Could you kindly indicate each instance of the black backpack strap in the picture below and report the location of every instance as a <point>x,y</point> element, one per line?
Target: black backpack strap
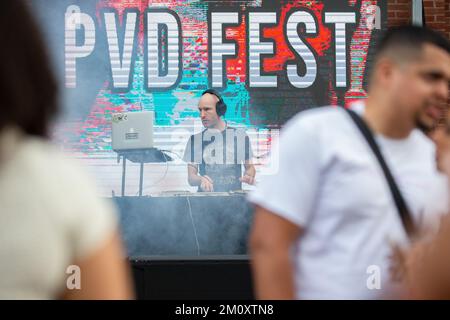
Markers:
<point>402,207</point>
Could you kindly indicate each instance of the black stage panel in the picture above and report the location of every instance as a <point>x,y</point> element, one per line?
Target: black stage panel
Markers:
<point>187,225</point>
<point>188,246</point>
<point>206,278</point>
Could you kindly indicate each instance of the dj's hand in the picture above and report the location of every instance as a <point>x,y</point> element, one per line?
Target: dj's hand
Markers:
<point>207,184</point>
<point>247,179</point>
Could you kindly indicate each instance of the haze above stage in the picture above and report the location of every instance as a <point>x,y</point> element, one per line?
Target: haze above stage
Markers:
<point>188,246</point>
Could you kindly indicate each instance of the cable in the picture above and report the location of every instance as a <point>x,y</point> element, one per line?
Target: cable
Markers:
<point>165,173</point>
<point>193,225</point>
<point>179,157</point>
<point>263,155</point>
<point>163,177</point>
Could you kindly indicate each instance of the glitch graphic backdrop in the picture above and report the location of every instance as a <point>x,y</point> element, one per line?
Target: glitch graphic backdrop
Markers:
<point>269,59</point>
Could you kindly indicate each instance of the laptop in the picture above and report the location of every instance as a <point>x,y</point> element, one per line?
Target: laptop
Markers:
<point>132,130</point>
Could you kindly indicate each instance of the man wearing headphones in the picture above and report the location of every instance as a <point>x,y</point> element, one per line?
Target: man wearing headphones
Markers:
<point>215,155</point>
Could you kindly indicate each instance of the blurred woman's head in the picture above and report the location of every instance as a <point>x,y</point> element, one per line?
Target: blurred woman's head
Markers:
<point>28,89</point>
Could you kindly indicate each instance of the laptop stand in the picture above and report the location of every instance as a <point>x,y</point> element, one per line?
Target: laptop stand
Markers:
<point>141,156</point>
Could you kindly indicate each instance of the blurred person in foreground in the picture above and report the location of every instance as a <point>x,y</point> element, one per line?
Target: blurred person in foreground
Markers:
<point>426,265</point>
<point>50,217</point>
<point>325,222</point>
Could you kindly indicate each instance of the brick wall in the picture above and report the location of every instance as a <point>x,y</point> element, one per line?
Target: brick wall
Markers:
<point>399,12</point>
<point>437,14</point>
<point>447,17</point>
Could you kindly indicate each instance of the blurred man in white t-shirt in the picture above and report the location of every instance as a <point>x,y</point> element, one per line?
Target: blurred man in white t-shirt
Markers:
<point>325,222</point>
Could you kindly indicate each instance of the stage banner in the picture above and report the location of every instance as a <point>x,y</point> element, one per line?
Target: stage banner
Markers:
<point>269,60</point>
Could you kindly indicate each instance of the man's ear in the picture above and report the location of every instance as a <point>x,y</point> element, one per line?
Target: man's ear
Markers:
<point>384,71</point>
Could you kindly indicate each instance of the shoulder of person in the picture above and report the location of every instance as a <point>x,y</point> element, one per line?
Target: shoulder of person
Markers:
<point>317,118</point>
<point>198,135</point>
<point>236,129</point>
<point>422,141</point>
<point>63,173</point>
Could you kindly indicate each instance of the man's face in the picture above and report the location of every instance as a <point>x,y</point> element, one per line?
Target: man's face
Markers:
<point>207,109</point>
<point>420,88</point>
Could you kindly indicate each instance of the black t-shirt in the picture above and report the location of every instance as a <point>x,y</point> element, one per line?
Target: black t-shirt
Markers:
<point>220,156</point>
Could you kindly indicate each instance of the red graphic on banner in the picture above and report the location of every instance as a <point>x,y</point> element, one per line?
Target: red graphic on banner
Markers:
<point>236,68</point>
<point>320,43</point>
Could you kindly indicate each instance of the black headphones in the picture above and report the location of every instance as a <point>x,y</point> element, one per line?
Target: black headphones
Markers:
<point>221,107</point>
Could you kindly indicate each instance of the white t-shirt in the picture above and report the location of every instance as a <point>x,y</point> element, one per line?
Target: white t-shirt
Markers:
<point>49,217</point>
<point>330,184</point>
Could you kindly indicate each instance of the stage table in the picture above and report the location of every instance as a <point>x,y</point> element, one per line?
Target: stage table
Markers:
<point>194,224</point>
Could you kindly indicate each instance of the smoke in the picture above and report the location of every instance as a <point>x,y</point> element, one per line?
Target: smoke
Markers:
<point>189,225</point>
<point>92,71</point>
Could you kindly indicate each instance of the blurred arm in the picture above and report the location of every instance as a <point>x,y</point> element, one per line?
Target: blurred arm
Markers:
<point>250,172</point>
<point>105,274</point>
<point>271,239</point>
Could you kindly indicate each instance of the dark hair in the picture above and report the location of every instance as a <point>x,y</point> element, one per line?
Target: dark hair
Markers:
<point>407,41</point>
<point>28,88</point>
<point>221,107</point>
